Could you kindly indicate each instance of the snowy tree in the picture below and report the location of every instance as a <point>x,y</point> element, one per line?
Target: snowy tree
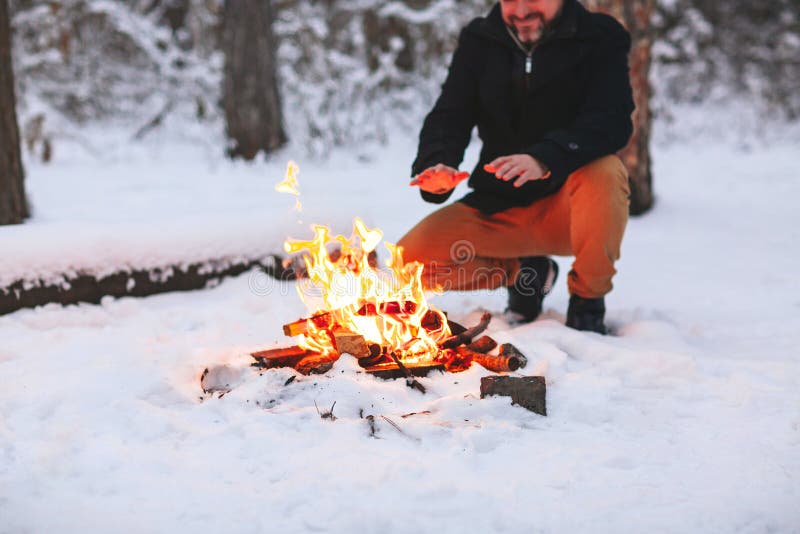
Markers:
<point>250,95</point>
<point>13,205</point>
<point>719,50</point>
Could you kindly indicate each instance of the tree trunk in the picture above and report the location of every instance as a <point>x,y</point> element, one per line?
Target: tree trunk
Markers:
<point>636,16</point>
<point>13,205</point>
<point>250,89</point>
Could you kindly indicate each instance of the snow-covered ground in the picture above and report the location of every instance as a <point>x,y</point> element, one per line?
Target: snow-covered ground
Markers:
<point>688,420</point>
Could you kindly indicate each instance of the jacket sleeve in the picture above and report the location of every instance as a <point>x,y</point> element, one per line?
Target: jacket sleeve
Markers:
<point>447,128</point>
<point>603,125</point>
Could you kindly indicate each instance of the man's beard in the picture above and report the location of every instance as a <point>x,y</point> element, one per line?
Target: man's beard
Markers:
<point>529,35</point>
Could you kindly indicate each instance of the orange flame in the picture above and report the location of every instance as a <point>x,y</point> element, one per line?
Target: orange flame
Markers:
<point>290,184</point>
<point>387,308</point>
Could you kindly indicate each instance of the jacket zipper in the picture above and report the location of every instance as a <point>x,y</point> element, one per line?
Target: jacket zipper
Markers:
<point>528,70</point>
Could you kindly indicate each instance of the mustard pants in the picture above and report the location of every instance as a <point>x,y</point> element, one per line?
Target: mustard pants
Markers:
<point>464,249</point>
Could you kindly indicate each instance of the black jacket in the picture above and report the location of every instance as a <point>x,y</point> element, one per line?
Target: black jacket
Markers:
<point>573,106</point>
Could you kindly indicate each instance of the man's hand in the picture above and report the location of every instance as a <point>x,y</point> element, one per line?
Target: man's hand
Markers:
<point>439,179</point>
<point>521,166</point>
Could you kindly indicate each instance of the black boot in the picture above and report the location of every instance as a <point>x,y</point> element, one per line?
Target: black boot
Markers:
<point>535,280</point>
<point>587,314</point>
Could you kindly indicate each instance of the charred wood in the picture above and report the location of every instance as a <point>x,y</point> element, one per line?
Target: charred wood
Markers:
<point>306,362</point>
<point>466,337</point>
<point>483,344</point>
<point>390,370</point>
<point>499,363</point>
<point>509,350</point>
<point>281,357</point>
<point>410,380</point>
<point>526,391</point>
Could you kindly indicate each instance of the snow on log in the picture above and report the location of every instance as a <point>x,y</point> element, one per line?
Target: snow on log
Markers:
<point>91,288</point>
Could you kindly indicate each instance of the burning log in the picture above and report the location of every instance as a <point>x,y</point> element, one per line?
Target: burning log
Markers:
<point>300,326</point>
<point>316,364</point>
<point>483,344</point>
<point>466,337</point>
<point>304,361</point>
<point>390,370</point>
<point>349,342</point>
<point>499,363</point>
<point>507,349</point>
<point>509,358</point>
<point>282,357</point>
<point>326,320</point>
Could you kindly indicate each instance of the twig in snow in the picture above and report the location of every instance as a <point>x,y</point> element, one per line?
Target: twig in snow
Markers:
<point>400,430</point>
<point>373,428</point>
<point>410,380</point>
<point>424,412</point>
<point>328,414</point>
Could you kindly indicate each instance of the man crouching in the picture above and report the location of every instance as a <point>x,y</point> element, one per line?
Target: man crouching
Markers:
<point>546,82</point>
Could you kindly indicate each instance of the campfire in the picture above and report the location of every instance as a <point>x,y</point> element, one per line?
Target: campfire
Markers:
<point>379,316</point>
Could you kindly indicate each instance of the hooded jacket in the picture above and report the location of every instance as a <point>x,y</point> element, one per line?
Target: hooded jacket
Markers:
<point>566,103</point>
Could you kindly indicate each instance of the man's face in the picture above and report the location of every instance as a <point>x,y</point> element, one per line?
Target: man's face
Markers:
<point>528,18</point>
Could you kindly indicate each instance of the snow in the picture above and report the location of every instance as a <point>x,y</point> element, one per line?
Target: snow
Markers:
<point>688,420</point>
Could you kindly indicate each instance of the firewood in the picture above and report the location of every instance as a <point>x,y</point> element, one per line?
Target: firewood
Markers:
<point>508,359</point>
<point>507,349</point>
<point>351,343</point>
<point>526,391</point>
<point>483,344</point>
<point>456,328</point>
<point>325,320</point>
<point>389,370</point>
<point>304,361</point>
<point>316,364</point>
<point>376,356</point>
<point>467,335</point>
<point>300,326</point>
<point>281,357</point>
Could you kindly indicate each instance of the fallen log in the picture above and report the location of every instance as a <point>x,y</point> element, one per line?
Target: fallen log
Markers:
<point>91,288</point>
